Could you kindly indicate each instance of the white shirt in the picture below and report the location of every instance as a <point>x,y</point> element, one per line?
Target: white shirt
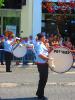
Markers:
<point>40,48</point>
<point>8,46</point>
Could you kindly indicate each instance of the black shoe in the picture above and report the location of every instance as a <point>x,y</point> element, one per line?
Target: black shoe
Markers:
<point>2,64</point>
<point>42,98</point>
<point>8,71</point>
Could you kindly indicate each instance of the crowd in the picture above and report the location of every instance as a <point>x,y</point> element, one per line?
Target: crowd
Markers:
<point>52,41</point>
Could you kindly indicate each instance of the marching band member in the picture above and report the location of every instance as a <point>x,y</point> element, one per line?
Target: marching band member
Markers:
<point>8,52</point>
<point>41,60</point>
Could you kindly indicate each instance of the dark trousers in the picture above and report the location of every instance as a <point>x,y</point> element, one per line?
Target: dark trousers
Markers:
<point>8,58</point>
<point>43,76</point>
<point>2,56</point>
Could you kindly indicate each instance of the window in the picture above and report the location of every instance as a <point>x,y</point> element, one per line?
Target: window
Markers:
<point>14,4</point>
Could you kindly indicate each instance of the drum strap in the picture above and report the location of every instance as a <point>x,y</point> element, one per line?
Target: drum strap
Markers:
<point>15,47</point>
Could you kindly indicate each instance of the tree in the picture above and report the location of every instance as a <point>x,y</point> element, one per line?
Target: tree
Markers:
<point>1,3</point>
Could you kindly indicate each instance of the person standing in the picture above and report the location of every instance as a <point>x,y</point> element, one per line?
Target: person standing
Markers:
<point>41,53</point>
<point>8,52</point>
<point>2,50</point>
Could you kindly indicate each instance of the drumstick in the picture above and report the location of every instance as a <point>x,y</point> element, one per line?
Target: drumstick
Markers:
<point>52,63</point>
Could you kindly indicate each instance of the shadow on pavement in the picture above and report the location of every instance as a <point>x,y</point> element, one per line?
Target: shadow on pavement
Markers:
<point>31,98</point>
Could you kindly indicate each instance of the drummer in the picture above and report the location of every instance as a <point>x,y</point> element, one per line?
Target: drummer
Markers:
<point>8,52</point>
<point>42,65</point>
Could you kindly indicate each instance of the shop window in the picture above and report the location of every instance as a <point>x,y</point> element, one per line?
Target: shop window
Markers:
<point>12,22</point>
<point>14,4</point>
<point>0,25</point>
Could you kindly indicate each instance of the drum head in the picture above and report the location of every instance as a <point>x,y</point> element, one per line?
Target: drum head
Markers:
<point>19,51</point>
<point>61,59</point>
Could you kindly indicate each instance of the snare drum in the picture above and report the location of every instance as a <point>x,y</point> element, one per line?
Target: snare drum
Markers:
<point>60,59</point>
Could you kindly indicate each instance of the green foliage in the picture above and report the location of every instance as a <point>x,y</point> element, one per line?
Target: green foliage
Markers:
<point>1,3</point>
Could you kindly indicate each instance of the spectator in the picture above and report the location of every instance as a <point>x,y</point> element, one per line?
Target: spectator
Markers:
<point>1,49</point>
<point>68,43</point>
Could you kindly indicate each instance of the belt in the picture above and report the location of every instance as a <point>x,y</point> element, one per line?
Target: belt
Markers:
<point>41,63</point>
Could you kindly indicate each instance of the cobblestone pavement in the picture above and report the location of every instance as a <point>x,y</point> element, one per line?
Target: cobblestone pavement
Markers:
<point>21,84</point>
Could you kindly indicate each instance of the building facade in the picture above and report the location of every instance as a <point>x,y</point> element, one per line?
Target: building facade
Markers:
<point>28,17</point>
<point>24,19</point>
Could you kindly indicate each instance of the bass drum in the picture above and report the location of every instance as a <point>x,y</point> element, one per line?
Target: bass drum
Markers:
<point>60,59</point>
<point>19,50</point>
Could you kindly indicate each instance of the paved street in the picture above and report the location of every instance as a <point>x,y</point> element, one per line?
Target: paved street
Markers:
<point>21,84</point>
